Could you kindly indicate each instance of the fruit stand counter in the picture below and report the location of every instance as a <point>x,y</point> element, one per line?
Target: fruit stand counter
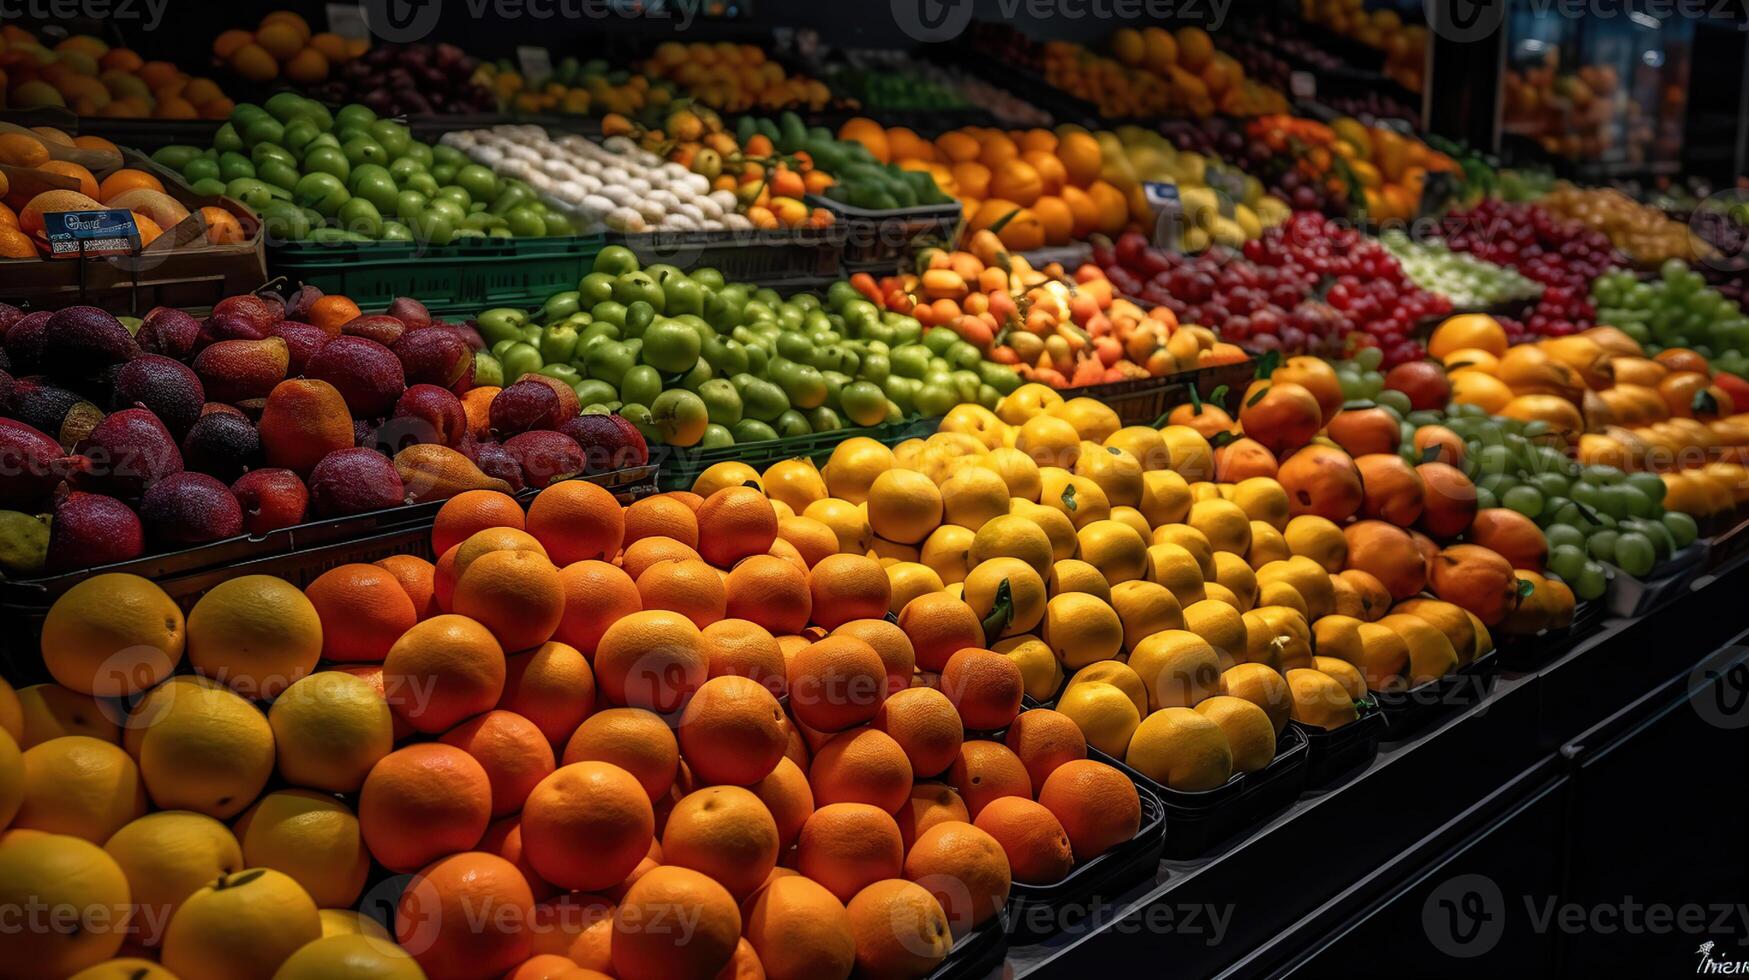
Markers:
<point>1339,877</point>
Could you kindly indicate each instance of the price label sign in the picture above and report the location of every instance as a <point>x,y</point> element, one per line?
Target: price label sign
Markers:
<point>348,21</point>
<point>72,234</point>
<point>536,63</point>
<point>1302,85</point>
<point>1168,212</point>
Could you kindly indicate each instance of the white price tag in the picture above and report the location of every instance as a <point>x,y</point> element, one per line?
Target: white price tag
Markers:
<point>348,21</point>
<point>536,63</point>
<point>1303,85</point>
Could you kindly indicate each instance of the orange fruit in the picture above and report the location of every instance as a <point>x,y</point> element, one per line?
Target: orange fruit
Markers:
<point>113,635</point>
<point>514,753</point>
<point>552,686</point>
<point>788,797</point>
<point>1056,217</point>
<point>1081,158</point>
<point>648,551</point>
<point>641,951</point>
<point>79,786</point>
<point>15,244</point>
<point>22,150</point>
<point>938,626</point>
<point>900,930</point>
<point>836,683</point>
<point>1043,740</point>
<point>475,545</point>
<point>311,837</point>
<point>984,686</point>
<point>847,587</point>
<point>633,739</point>
<point>597,595</point>
<point>661,516</point>
<point>436,918</point>
<point>861,766</point>
<point>964,868</point>
<point>469,511</point>
<point>725,832</point>
<point>587,825</point>
<point>504,838</point>
<point>652,659</point>
<point>254,62</point>
<point>1096,804</point>
<point>739,648</point>
<point>364,611</point>
<point>688,587</point>
<point>127,179</point>
<point>771,592</point>
<point>985,771</point>
<point>441,671</point>
<point>891,643</point>
<point>577,521</point>
<point>925,725</point>
<point>515,594</point>
<point>60,872</point>
<point>67,168</point>
<point>848,846</point>
<point>812,538</point>
<point>799,929</point>
<point>330,313</point>
<point>422,802</point>
<point>930,804</point>
<point>733,523</point>
<point>417,578</point>
<point>732,731</point>
<point>1037,847</point>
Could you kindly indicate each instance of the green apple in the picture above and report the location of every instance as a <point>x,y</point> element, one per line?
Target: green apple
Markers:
<point>680,417</point>
<point>250,191</point>
<point>361,216</point>
<point>640,384</point>
<point>322,191</point>
<point>670,345</point>
<point>615,260</point>
<point>722,400</point>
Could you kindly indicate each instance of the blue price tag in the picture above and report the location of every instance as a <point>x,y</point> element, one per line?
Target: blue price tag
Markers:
<point>75,233</point>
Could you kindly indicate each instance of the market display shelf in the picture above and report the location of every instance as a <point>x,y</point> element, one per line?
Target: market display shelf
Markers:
<point>1436,788</point>
<point>876,242</point>
<point>456,279</point>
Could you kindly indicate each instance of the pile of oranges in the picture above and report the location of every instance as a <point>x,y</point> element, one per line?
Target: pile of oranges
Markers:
<point>84,74</point>
<point>283,44</point>
<point>1056,330</point>
<point>734,77</point>
<point>580,717</point>
<point>141,193</point>
<point>1201,79</point>
<point>1051,178</point>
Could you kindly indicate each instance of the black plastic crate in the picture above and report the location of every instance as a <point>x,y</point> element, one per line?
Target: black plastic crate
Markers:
<point>877,241</point>
<point>1407,711</point>
<point>1527,653</point>
<point>1196,822</point>
<point>978,953</point>
<point>1031,906</point>
<point>1332,755</point>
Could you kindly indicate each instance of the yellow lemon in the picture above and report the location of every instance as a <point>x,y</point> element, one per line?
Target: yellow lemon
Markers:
<point>1115,471</point>
<point>1384,657</point>
<point>1050,441</point>
<point>79,786</point>
<point>1104,714</point>
<point>1178,668</point>
<point>1027,401</point>
<point>348,956</point>
<point>1345,673</point>
<point>974,496</point>
<point>891,552</point>
<point>1075,575</point>
<point>853,466</point>
<point>1165,497</point>
<point>168,856</point>
<point>1319,700</point>
<point>1082,629</point>
<point>51,711</point>
<point>903,506</point>
<point>976,421</point>
<point>847,521</point>
<point>56,871</point>
<point>1225,525</point>
<point>1319,539</point>
<point>1192,457</point>
<point>1250,735</point>
<point>113,635</point>
<point>242,925</point>
<point>1218,623</point>
<point>1145,608</point>
<point>203,749</point>
<point>1026,593</point>
<point>1191,540</point>
<point>1056,524</point>
<point>947,551</point>
<point>329,729</point>
<point>910,579</point>
<point>1232,572</point>
<point>1263,687</point>
<point>1174,567</point>
<point>1181,749</point>
<point>1431,655</point>
<point>721,476</point>
<point>1094,420</point>
<point>1009,536</point>
<point>1040,672</point>
<point>796,482</point>
<point>1262,499</point>
<point>1267,546</point>
<point>1133,519</point>
<point>1276,593</point>
<point>1143,443</point>
<point>1115,549</point>
<point>1017,470</point>
<point>124,968</point>
<point>312,837</point>
<point>1080,499</point>
<point>255,633</point>
<point>350,922</point>
<point>1450,619</point>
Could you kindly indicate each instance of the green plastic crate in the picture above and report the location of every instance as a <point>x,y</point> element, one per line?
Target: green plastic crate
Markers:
<point>680,467</point>
<point>460,278</point>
